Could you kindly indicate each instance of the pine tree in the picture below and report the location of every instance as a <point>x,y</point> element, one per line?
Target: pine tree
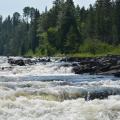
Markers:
<point>68,21</point>
<point>90,23</point>
<point>104,20</point>
<point>117,12</point>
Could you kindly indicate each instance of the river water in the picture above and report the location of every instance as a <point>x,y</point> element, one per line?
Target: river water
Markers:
<point>48,91</point>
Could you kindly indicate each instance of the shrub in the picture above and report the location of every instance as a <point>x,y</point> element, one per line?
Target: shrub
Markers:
<point>94,46</point>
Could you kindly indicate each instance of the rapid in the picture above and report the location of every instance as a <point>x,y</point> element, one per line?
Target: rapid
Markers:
<point>51,91</point>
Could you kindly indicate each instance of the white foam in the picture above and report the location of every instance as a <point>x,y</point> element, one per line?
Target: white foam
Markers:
<point>37,100</point>
<point>42,69</point>
<point>21,100</point>
<point>35,109</point>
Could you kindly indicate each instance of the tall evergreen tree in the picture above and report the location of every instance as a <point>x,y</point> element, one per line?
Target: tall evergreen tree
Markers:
<point>68,21</point>
<point>90,23</point>
<point>117,17</point>
<point>104,20</point>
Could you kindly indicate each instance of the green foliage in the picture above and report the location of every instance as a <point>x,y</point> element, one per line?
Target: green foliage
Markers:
<point>64,29</point>
<point>52,36</point>
<point>29,53</point>
<point>45,47</point>
<point>67,27</point>
<point>116,50</point>
<point>72,40</point>
<point>94,46</point>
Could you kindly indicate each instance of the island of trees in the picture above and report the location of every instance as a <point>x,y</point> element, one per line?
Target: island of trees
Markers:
<point>63,29</point>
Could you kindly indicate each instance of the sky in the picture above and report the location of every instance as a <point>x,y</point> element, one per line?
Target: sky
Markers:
<point>8,7</point>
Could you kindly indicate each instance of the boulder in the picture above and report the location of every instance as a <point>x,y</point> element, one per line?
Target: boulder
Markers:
<point>19,62</point>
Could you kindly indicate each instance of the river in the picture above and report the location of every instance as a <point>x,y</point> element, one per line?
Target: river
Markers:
<point>48,91</point>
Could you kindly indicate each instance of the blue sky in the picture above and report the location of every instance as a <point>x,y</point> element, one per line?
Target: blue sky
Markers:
<point>10,6</point>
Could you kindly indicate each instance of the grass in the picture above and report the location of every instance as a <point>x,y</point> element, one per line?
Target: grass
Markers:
<point>82,55</point>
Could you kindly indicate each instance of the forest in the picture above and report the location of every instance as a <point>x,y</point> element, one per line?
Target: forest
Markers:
<point>63,29</point>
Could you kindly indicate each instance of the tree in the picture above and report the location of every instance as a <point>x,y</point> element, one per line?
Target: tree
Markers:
<point>52,36</point>
<point>90,25</point>
<point>33,31</point>
<point>1,40</point>
<point>62,29</point>
<point>26,13</point>
<point>117,19</point>
<point>16,19</point>
<point>104,20</point>
<point>68,21</point>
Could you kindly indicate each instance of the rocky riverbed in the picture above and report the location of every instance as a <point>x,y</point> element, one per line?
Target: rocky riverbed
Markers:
<point>107,65</point>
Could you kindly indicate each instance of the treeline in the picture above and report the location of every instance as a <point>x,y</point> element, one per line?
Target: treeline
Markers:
<point>63,29</point>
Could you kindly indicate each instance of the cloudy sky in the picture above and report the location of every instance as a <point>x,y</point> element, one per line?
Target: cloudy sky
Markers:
<point>10,6</point>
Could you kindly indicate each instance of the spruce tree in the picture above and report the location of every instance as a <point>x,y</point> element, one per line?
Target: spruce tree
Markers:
<point>68,21</point>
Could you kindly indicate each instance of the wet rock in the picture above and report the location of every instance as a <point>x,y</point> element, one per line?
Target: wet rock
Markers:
<point>117,74</point>
<point>44,59</point>
<point>19,62</point>
<point>104,68</point>
<point>101,65</point>
<point>84,69</point>
<point>109,64</point>
<point>96,95</point>
<point>101,93</point>
<point>5,68</point>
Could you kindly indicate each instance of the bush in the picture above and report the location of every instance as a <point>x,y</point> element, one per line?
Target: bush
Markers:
<point>116,50</point>
<point>94,46</point>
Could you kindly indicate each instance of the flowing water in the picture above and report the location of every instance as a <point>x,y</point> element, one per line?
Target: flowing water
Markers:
<point>49,91</point>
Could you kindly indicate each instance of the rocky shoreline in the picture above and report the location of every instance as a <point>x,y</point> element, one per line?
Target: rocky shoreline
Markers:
<point>106,65</point>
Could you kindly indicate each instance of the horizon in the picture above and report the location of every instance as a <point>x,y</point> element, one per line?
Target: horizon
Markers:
<point>17,6</point>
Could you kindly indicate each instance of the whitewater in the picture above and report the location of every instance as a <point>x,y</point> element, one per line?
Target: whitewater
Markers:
<point>50,91</point>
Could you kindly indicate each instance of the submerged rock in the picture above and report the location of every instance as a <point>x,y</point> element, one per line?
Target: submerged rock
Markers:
<point>117,74</point>
<point>101,93</point>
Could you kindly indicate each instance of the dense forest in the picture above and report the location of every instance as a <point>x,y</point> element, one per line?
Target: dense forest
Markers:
<point>64,29</point>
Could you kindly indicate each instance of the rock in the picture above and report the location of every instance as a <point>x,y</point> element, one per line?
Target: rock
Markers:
<point>101,65</point>
<point>104,68</point>
<point>101,93</point>
<point>96,95</point>
<point>73,59</point>
<point>77,70</point>
<point>117,74</point>
<point>109,64</point>
<point>83,69</point>
<point>19,62</point>
<point>44,59</point>
<point>6,68</point>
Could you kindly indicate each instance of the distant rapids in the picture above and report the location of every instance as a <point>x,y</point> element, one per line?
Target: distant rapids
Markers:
<point>51,91</point>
